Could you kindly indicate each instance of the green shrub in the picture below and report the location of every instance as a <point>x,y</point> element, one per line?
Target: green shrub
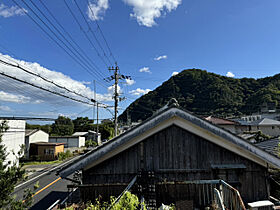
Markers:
<point>64,155</point>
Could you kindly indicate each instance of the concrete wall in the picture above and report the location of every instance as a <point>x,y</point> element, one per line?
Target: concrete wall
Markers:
<point>13,138</point>
<point>268,130</point>
<point>39,136</point>
<point>76,141</point>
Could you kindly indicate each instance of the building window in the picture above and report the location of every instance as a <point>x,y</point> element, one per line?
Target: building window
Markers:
<point>46,151</point>
<point>51,151</point>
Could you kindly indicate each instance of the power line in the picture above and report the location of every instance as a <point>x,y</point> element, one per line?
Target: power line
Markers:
<point>81,28</point>
<point>47,80</point>
<point>43,78</point>
<point>77,60</point>
<point>46,25</point>
<point>47,90</point>
<point>98,27</point>
<point>83,55</point>
<point>90,29</point>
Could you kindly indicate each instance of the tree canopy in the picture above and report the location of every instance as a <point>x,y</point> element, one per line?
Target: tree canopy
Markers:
<point>205,93</point>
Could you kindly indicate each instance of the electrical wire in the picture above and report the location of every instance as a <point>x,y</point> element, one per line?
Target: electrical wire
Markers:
<point>90,30</point>
<point>47,90</point>
<point>43,78</point>
<point>81,28</point>
<point>98,27</point>
<point>65,31</point>
<point>82,54</point>
<point>57,43</point>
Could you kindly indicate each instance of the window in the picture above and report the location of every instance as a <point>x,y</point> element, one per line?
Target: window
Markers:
<point>46,151</point>
<point>51,151</point>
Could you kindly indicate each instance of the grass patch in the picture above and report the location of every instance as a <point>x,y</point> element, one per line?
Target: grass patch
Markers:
<point>42,162</point>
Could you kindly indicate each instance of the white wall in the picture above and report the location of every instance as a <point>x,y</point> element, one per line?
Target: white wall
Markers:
<point>14,138</point>
<point>76,141</point>
<point>38,136</point>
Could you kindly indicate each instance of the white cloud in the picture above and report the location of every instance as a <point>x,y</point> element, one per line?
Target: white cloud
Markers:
<point>160,57</point>
<point>129,82</point>
<point>230,74</point>
<point>5,109</point>
<point>6,11</point>
<point>139,91</point>
<point>145,11</point>
<point>8,97</point>
<point>16,92</point>
<point>145,69</point>
<point>111,89</point>
<point>86,83</point>
<point>175,73</point>
<point>95,11</point>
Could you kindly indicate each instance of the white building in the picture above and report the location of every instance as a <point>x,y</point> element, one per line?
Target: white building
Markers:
<point>13,138</point>
<point>33,136</point>
<point>90,135</point>
<point>70,141</point>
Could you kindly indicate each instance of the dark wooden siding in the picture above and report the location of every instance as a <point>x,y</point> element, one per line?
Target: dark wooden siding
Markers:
<point>175,154</point>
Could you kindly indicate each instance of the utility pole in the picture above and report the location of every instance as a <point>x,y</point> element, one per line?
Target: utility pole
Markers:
<point>116,95</point>
<point>116,77</point>
<point>97,128</point>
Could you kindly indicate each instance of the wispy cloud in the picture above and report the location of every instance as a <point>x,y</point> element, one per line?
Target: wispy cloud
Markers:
<point>160,57</point>
<point>230,74</point>
<point>6,11</point>
<point>20,99</point>
<point>5,109</point>
<point>139,91</point>
<point>129,82</point>
<point>86,83</point>
<point>146,11</point>
<point>29,94</point>
<point>145,69</point>
<point>174,73</point>
<point>96,11</point>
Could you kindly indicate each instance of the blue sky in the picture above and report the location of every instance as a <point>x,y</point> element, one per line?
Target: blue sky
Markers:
<point>158,37</point>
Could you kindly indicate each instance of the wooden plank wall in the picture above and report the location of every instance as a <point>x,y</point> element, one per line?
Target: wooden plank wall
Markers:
<point>175,154</point>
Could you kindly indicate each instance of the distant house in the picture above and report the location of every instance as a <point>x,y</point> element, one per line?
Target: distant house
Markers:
<point>13,138</point>
<point>250,123</point>
<point>45,150</point>
<point>229,125</point>
<point>90,135</point>
<point>33,136</point>
<point>175,157</point>
<point>267,126</point>
<point>69,141</point>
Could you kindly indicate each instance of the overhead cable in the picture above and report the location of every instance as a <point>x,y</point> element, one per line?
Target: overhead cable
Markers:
<point>57,43</point>
<point>90,29</point>
<point>81,28</point>
<point>99,28</point>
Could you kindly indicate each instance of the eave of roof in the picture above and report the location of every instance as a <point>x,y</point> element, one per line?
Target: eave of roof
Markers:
<point>171,116</point>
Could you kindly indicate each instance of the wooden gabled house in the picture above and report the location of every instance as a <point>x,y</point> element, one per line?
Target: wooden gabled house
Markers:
<point>178,155</point>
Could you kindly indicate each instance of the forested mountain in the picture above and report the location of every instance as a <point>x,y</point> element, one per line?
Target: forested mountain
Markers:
<point>205,93</point>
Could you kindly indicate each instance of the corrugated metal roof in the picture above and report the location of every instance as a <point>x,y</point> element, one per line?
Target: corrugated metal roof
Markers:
<point>265,121</point>
<point>79,133</point>
<point>270,146</point>
<point>29,132</point>
<point>220,121</point>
